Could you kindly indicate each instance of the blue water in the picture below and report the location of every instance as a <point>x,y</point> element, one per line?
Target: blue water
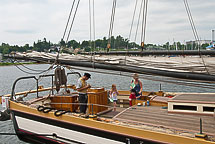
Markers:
<point>8,74</point>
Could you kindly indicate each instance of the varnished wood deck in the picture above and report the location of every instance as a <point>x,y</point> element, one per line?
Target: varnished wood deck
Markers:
<point>194,98</point>
<point>156,116</point>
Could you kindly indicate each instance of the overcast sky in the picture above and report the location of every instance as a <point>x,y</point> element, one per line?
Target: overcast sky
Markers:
<point>26,21</point>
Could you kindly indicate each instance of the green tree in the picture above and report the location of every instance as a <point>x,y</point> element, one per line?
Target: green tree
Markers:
<point>98,43</point>
<point>203,46</point>
<point>5,48</point>
<point>74,44</point>
<point>62,43</point>
<point>85,44</point>
<point>104,43</point>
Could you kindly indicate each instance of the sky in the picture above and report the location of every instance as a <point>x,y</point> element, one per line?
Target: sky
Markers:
<point>25,21</point>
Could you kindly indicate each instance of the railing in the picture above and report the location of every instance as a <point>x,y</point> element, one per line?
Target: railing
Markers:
<point>37,82</point>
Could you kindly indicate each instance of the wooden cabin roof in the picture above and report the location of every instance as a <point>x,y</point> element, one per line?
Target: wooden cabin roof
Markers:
<point>194,98</point>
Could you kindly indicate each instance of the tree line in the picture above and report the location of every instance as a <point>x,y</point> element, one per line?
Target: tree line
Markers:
<point>117,43</point>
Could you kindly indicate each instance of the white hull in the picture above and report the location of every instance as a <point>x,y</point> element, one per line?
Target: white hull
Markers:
<point>42,128</point>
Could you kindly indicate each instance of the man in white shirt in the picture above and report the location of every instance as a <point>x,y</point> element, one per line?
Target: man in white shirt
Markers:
<point>82,87</point>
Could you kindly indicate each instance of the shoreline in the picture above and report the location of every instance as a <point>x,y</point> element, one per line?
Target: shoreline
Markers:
<point>10,64</point>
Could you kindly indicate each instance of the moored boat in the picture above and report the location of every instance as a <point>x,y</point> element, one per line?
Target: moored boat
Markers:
<point>158,117</point>
<point>53,118</point>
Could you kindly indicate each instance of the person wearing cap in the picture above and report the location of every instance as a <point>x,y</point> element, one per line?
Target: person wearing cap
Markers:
<point>136,84</point>
<point>82,87</point>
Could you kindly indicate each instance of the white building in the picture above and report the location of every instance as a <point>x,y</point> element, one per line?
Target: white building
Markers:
<point>201,42</point>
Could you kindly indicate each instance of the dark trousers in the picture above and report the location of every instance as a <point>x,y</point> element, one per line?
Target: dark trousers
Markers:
<point>83,102</point>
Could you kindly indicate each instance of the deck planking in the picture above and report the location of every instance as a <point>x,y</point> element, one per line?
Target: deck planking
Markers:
<point>157,116</point>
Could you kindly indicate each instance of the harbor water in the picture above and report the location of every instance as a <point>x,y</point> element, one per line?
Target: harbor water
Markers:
<point>8,74</point>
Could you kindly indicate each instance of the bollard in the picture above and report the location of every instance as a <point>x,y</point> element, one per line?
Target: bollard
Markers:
<point>92,109</point>
<point>200,125</point>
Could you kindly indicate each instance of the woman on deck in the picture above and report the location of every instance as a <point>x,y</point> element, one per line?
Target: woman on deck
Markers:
<point>136,84</point>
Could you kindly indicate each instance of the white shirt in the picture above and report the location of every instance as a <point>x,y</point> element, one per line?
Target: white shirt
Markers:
<point>114,96</point>
<point>79,85</point>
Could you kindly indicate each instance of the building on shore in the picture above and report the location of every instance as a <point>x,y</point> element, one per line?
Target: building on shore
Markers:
<point>197,42</point>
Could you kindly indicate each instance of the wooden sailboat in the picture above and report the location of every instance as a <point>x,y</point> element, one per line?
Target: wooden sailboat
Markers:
<point>53,119</point>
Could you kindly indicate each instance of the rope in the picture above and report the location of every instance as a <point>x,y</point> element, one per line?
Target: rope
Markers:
<point>111,24</point>
<point>28,67</point>
<point>68,19</point>
<point>41,71</point>
<point>94,30</point>
<point>60,78</point>
<point>138,22</point>
<point>90,27</point>
<point>31,72</point>
<point>60,112</point>
<point>144,35</point>
<point>195,33</point>
<point>191,20</point>
<point>56,61</point>
<point>132,23</point>
<point>65,30</point>
<point>144,23</point>
<point>73,21</point>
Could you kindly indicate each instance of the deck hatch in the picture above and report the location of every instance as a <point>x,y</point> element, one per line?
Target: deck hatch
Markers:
<point>184,107</point>
<point>208,109</point>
